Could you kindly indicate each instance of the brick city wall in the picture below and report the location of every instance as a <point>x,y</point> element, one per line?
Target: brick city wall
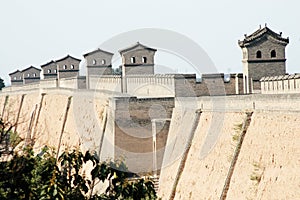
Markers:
<point>133,130</point>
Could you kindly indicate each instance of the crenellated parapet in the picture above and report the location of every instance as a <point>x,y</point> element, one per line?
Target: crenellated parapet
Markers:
<point>280,84</point>
<point>264,71</point>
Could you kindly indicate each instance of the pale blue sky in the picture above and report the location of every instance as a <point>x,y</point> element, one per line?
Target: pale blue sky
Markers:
<point>34,32</point>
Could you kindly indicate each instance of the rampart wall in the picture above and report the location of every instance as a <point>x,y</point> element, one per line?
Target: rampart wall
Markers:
<point>152,85</point>
<point>158,85</point>
<point>281,84</point>
<point>105,82</point>
<point>134,120</point>
<point>268,161</point>
<point>71,83</point>
<point>266,167</point>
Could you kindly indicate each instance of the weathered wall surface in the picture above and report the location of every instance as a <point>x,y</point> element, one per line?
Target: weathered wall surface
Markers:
<point>133,131</point>
<point>209,170</point>
<point>205,170</point>
<point>267,166</point>
<point>45,118</point>
<point>268,163</point>
<point>112,83</point>
<point>180,128</point>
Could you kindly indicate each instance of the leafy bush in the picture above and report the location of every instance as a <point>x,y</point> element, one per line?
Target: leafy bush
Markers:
<point>29,176</point>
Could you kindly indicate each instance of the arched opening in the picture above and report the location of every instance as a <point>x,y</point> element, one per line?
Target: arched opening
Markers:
<point>65,66</point>
<point>72,67</point>
<point>49,71</point>
<point>273,54</point>
<point>103,62</point>
<point>132,59</point>
<point>258,54</point>
<point>94,62</point>
<point>144,59</point>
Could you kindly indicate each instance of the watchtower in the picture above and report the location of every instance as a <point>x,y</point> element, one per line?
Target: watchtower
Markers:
<point>98,62</point>
<point>137,59</point>
<point>263,55</point>
<point>31,75</point>
<point>16,78</point>
<point>49,70</point>
<point>68,67</point>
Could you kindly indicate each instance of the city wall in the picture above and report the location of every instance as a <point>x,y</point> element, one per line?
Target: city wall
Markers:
<point>268,159</point>
<point>267,162</point>
<point>157,85</point>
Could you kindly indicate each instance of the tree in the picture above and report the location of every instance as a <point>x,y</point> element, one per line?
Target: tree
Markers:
<point>2,85</point>
<point>42,176</point>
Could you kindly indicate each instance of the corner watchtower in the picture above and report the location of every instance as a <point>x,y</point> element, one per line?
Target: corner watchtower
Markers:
<point>263,55</point>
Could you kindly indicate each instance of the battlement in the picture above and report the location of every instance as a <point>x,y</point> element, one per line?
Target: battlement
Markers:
<point>280,84</point>
<point>71,83</point>
<point>263,60</point>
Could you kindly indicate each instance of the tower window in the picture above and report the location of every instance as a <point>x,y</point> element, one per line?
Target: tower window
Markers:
<point>103,62</point>
<point>144,59</point>
<point>15,78</point>
<point>258,54</point>
<point>34,74</point>
<point>94,62</point>
<point>273,54</point>
<point>49,71</point>
<point>65,66</point>
<point>28,75</point>
<point>132,59</point>
<point>72,66</point>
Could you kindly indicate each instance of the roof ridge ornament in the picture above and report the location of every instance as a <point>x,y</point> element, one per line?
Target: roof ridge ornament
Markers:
<point>259,34</point>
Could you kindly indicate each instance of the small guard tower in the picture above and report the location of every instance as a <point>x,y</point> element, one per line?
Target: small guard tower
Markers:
<point>136,60</point>
<point>263,55</point>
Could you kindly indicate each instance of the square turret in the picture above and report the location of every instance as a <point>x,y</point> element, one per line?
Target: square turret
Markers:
<point>263,55</point>
<point>49,70</point>
<point>68,67</point>
<point>31,75</point>
<point>137,59</point>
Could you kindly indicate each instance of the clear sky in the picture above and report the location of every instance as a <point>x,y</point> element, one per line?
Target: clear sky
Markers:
<point>34,32</point>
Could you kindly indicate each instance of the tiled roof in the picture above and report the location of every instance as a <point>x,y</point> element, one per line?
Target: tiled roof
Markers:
<point>135,46</point>
<point>48,63</point>
<point>260,33</point>
<point>97,50</point>
<point>17,71</point>
<point>67,56</point>
<point>30,68</point>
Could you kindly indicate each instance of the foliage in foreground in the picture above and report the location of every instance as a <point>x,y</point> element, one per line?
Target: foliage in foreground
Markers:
<point>29,176</point>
